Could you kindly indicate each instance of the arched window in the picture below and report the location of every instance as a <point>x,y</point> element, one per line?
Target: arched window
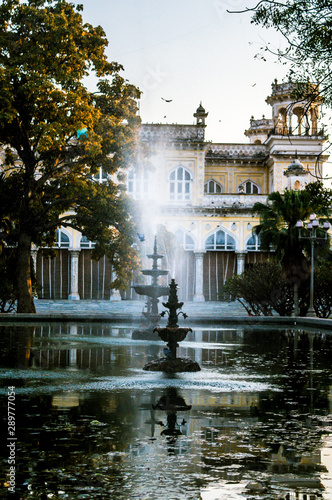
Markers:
<point>62,239</point>
<point>101,176</point>
<point>212,187</point>
<point>85,243</point>
<point>254,243</point>
<point>248,187</point>
<point>180,181</point>
<point>183,239</point>
<point>138,184</point>
<point>220,241</point>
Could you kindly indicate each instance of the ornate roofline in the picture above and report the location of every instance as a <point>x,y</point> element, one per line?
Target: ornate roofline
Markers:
<point>164,133</point>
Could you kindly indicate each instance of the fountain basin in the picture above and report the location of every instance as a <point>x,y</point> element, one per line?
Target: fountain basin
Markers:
<point>176,365</point>
<point>152,291</point>
<point>171,363</point>
<point>172,334</point>
<point>155,273</point>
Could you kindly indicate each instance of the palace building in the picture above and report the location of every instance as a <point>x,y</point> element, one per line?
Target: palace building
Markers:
<point>199,196</point>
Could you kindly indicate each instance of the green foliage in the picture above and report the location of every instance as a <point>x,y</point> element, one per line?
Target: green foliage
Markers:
<point>264,288</point>
<point>306,26</point>
<point>323,290</point>
<point>8,293</point>
<point>261,289</point>
<point>277,229</point>
<point>45,52</point>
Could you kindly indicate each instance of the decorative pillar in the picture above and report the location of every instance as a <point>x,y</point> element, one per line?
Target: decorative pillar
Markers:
<point>199,296</point>
<point>34,253</point>
<point>241,259</point>
<point>74,254</point>
<point>314,120</point>
<point>115,294</point>
<point>290,130</point>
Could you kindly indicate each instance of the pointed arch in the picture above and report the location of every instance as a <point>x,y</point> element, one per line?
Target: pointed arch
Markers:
<point>211,186</point>
<point>85,243</point>
<point>220,240</point>
<point>138,184</point>
<point>184,239</point>
<point>253,243</point>
<point>249,187</point>
<point>63,238</point>
<point>180,184</point>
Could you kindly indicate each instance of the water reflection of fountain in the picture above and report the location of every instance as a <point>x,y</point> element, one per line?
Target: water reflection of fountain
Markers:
<point>153,292</point>
<point>172,403</point>
<point>172,334</point>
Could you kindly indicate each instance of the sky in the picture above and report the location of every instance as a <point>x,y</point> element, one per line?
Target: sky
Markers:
<point>191,52</point>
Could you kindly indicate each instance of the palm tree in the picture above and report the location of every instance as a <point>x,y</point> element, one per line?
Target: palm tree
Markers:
<point>277,229</point>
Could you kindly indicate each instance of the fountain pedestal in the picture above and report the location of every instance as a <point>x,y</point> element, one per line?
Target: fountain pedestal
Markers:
<point>172,334</point>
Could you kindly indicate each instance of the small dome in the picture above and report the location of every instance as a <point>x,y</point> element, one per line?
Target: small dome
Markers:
<point>295,168</point>
<point>200,109</point>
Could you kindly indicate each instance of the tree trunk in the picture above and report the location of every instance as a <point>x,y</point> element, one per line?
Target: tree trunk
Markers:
<point>25,302</point>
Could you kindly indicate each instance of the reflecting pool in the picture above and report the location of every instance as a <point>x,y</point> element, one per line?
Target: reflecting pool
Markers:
<point>82,420</point>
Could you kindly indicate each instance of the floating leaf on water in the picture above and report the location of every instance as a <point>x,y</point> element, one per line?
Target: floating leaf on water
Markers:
<point>97,423</point>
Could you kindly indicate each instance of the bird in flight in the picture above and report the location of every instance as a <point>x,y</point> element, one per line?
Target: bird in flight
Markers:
<point>167,100</point>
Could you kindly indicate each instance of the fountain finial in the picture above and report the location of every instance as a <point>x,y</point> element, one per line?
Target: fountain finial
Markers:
<point>173,305</point>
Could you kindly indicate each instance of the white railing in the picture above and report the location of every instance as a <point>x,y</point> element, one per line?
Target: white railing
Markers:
<point>252,150</point>
<point>233,200</point>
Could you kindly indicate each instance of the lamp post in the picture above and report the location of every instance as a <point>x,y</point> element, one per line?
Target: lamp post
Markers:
<point>312,226</point>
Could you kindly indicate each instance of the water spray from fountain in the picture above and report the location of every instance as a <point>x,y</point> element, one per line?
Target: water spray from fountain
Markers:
<point>153,292</point>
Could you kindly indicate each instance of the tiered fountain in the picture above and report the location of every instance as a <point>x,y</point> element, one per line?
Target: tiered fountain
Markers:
<point>172,334</point>
<point>152,291</point>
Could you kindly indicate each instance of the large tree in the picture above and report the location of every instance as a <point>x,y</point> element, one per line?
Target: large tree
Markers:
<point>56,135</point>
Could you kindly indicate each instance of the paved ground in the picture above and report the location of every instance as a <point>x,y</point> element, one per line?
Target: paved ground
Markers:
<point>215,313</point>
<point>134,308</point>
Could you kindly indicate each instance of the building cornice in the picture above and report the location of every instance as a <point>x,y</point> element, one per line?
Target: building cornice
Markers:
<point>179,136</point>
<point>221,205</point>
<point>236,154</point>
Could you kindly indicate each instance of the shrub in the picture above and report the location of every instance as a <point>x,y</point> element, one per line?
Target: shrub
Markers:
<point>8,295</point>
<point>262,289</point>
<point>323,290</point>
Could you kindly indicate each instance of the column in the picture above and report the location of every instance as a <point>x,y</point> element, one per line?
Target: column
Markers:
<point>290,130</point>
<point>115,294</point>
<point>314,119</point>
<point>241,259</point>
<point>199,296</point>
<point>74,254</point>
<point>34,253</point>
